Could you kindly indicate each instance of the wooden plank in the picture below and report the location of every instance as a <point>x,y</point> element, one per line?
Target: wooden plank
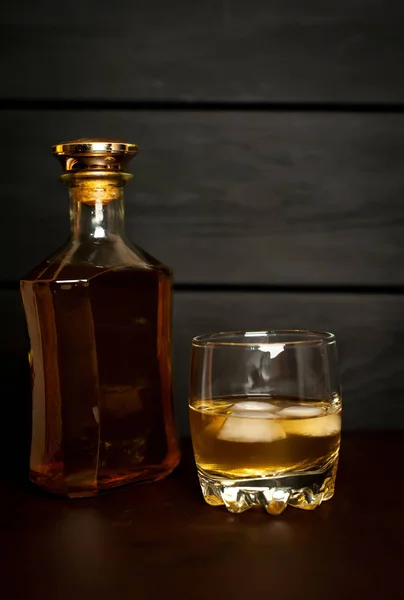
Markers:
<point>369,329</point>
<point>224,197</point>
<point>278,51</point>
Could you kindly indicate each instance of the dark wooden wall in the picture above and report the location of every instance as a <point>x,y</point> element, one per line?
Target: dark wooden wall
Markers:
<point>270,173</point>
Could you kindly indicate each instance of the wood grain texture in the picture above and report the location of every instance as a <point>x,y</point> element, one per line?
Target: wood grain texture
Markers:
<point>278,51</point>
<point>224,197</point>
<point>162,540</point>
<point>369,329</point>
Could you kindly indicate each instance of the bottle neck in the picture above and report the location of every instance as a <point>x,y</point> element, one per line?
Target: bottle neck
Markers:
<point>98,220</point>
<point>96,201</point>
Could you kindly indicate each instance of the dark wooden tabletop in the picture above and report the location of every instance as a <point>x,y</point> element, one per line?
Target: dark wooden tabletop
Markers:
<point>162,540</point>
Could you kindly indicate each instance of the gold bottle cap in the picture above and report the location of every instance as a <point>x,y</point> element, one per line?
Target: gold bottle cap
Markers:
<point>94,154</point>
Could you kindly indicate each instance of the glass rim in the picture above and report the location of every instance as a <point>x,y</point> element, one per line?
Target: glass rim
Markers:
<point>224,338</point>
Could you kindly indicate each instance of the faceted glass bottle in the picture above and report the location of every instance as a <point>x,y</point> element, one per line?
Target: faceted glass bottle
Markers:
<point>99,321</point>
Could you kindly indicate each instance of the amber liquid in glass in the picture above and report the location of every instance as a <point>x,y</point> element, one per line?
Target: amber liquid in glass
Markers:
<point>248,437</point>
<point>101,376</point>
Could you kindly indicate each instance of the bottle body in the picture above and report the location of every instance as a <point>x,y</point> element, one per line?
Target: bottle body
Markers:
<point>99,320</point>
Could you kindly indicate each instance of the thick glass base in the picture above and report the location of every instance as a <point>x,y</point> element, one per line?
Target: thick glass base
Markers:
<point>302,490</point>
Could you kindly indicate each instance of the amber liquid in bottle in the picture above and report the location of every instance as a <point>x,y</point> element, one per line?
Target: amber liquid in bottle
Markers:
<point>99,319</point>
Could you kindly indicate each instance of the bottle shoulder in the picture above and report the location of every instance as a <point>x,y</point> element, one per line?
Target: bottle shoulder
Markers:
<point>149,260</point>
<point>48,267</point>
<point>88,259</point>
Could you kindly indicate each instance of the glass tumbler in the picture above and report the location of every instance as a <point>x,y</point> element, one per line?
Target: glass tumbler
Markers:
<point>265,417</point>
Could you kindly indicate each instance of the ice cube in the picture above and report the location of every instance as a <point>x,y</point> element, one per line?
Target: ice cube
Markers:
<point>314,427</point>
<point>253,405</point>
<point>302,411</point>
<point>256,414</point>
<point>243,429</point>
<point>255,410</point>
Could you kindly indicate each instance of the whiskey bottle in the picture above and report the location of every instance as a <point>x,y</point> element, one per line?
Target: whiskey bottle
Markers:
<point>99,319</point>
